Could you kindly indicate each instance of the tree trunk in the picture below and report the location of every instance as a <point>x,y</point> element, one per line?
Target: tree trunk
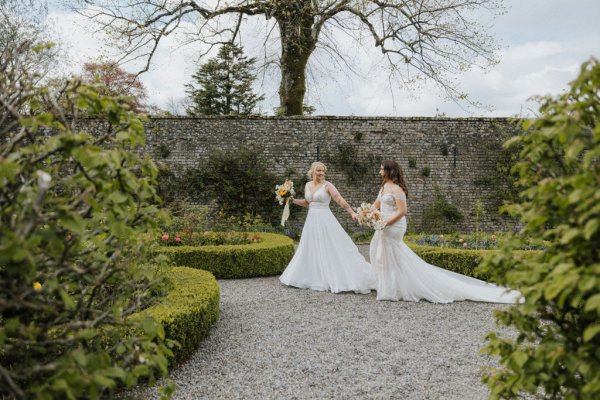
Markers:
<point>297,44</point>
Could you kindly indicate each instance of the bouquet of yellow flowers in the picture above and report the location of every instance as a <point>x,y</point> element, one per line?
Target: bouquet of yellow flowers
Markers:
<point>370,217</point>
<point>283,194</point>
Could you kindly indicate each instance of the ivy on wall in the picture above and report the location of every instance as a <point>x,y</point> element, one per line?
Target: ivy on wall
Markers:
<point>441,216</point>
<point>502,185</point>
<point>353,164</point>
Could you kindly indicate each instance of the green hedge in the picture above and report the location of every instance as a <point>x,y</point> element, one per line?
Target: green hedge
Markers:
<point>189,309</point>
<point>460,260</point>
<point>269,257</point>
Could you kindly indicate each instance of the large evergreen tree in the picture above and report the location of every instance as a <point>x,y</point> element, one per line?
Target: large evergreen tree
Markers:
<point>223,85</point>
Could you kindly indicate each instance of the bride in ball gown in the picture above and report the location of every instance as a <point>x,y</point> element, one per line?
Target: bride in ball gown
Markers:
<point>402,274</point>
<point>326,257</point>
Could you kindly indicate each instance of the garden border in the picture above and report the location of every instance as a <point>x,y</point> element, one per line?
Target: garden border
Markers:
<point>266,258</point>
<point>189,309</point>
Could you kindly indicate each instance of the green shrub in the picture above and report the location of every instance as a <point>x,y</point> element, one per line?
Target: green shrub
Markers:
<point>555,353</point>
<point>238,181</point>
<point>441,216</point>
<point>73,210</point>
<point>269,257</point>
<point>362,236</point>
<point>189,310</point>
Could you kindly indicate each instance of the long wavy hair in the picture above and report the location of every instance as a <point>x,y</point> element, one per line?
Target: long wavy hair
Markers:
<point>393,171</point>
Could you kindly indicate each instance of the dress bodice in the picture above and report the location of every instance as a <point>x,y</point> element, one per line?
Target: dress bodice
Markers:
<point>318,198</point>
<point>388,201</point>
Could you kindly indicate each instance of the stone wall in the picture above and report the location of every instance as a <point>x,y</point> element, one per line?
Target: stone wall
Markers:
<point>460,154</point>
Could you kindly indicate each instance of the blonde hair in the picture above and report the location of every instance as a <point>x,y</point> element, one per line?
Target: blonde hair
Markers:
<point>313,167</point>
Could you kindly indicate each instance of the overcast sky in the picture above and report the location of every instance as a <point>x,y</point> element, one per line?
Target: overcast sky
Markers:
<point>543,44</point>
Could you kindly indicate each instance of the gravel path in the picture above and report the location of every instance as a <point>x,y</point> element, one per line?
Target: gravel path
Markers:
<point>277,342</point>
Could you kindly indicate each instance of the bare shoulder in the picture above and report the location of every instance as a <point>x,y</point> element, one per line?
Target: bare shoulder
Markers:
<point>398,190</point>
<point>330,188</point>
<point>391,187</point>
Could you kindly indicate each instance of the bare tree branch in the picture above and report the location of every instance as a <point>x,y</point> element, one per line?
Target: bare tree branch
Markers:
<point>429,39</point>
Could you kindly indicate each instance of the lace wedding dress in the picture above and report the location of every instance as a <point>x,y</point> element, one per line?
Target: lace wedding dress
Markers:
<point>326,257</point>
<point>403,275</point>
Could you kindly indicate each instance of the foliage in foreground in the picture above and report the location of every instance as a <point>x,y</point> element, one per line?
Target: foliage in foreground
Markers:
<point>556,352</point>
<point>72,210</point>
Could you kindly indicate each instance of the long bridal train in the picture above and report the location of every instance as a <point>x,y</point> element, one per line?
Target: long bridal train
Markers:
<point>403,275</point>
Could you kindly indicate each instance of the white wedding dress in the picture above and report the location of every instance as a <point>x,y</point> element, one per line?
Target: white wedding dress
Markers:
<point>326,257</point>
<point>403,275</point>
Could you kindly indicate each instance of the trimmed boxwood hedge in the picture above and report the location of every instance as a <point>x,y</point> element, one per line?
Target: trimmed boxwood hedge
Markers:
<point>269,257</point>
<point>189,309</point>
<point>463,261</point>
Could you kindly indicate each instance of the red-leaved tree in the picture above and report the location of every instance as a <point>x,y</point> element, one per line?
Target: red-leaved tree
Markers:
<point>114,81</point>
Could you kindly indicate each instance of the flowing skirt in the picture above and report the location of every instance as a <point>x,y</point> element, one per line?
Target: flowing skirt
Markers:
<point>327,258</point>
<point>403,275</point>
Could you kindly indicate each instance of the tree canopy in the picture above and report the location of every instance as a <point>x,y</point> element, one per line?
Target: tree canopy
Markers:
<point>114,81</point>
<point>420,39</point>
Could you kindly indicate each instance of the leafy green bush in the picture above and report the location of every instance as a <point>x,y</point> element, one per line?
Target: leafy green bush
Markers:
<point>189,310</point>
<point>556,351</point>
<point>441,216</point>
<point>239,182</point>
<point>363,236</point>
<point>73,210</point>
<point>269,257</point>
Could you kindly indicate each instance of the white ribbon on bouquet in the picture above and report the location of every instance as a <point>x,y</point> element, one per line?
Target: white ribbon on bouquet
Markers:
<point>286,212</point>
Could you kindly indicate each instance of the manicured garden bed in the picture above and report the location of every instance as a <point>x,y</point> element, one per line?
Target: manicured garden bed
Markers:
<point>189,309</point>
<point>267,257</point>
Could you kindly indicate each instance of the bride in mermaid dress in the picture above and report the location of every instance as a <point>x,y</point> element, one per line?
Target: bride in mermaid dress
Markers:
<point>326,257</point>
<point>402,274</point>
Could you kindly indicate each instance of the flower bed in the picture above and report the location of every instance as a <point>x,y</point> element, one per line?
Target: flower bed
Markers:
<point>482,241</point>
<point>267,257</point>
<point>189,309</point>
<point>208,238</point>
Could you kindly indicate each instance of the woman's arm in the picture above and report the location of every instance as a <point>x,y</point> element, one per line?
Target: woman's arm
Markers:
<point>300,202</point>
<point>377,204</point>
<point>335,195</point>
<point>400,199</point>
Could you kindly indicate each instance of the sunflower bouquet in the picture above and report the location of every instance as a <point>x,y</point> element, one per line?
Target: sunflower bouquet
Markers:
<point>283,194</point>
